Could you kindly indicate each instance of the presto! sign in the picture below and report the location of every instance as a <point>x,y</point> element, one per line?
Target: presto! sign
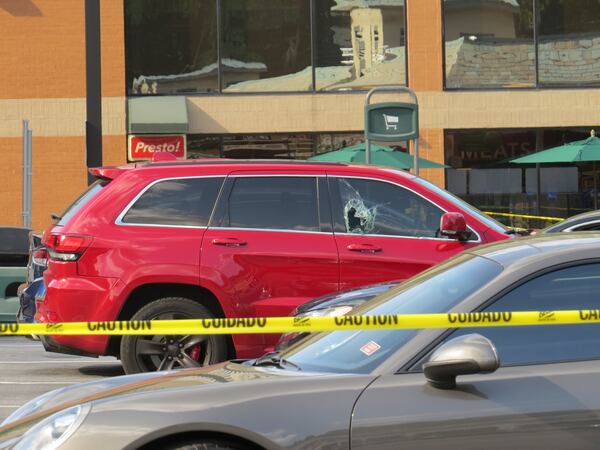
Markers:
<point>142,147</point>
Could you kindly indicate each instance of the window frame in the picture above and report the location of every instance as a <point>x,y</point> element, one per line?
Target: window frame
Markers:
<point>415,363</point>
<point>339,227</point>
<point>123,213</point>
<point>537,85</point>
<point>313,58</point>
<point>221,210</point>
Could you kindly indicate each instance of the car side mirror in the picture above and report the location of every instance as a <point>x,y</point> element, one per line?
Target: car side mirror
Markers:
<point>454,225</point>
<point>464,355</point>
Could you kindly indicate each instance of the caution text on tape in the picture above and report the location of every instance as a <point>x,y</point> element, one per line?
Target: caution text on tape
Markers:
<point>276,325</point>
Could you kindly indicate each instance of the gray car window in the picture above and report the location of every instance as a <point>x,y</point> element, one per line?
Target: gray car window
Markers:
<point>433,291</point>
<point>374,207</point>
<point>181,202</point>
<point>275,203</point>
<point>571,288</point>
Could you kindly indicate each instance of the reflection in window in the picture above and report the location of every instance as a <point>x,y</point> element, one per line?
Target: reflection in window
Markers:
<point>181,202</point>
<point>482,175</point>
<point>327,142</point>
<point>266,45</point>
<point>203,146</point>
<point>489,43</point>
<point>171,46</point>
<point>569,45</point>
<point>270,146</point>
<point>279,203</point>
<point>360,44</point>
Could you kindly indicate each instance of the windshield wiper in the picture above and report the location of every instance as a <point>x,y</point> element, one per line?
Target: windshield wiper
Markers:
<point>271,359</point>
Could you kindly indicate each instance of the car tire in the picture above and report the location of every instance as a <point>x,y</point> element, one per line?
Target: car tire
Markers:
<point>204,445</point>
<point>158,352</point>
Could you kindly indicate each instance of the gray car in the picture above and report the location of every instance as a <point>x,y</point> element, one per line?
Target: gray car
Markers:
<point>377,389</point>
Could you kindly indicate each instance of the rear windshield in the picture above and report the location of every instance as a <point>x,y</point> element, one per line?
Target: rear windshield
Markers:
<point>81,201</point>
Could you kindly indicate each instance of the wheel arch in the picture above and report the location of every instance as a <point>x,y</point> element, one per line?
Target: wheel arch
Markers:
<point>187,436</point>
<point>149,292</point>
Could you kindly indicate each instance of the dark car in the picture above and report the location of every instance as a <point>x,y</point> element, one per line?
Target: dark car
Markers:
<point>588,221</point>
<point>34,289</point>
<point>225,238</point>
<point>336,304</point>
<point>13,262</point>
<point>527,387</point>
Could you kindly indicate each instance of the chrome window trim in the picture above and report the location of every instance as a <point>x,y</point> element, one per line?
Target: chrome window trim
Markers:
<point>281,175</point>
<point>119,219</point>
<point>276,230</point>
<point>478,241</point>
<point>573,228</point>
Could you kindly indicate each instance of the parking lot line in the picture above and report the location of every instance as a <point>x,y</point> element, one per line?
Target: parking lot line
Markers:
<point>43,382</point>
<point>61,361</point>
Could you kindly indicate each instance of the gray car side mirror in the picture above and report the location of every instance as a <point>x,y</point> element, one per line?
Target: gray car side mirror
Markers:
<point>464,355</point>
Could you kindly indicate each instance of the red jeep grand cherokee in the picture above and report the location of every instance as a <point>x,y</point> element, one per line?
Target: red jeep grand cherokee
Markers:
<point>219,238</point>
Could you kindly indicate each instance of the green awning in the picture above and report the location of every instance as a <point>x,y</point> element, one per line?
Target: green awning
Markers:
<point>157,115</point>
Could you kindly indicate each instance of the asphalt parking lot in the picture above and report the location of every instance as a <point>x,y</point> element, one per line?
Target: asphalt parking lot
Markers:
<point>27,370</point>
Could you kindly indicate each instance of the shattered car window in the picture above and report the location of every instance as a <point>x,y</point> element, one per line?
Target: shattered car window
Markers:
<point>374,207</point>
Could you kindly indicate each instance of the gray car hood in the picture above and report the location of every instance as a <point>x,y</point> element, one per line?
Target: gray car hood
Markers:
<point>57,400</point>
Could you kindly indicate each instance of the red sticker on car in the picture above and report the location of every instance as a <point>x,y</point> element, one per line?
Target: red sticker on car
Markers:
<point>370,347</point>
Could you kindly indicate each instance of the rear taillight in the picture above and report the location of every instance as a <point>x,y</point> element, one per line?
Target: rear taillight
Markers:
<point>66,247</point>
<point>39,257</point>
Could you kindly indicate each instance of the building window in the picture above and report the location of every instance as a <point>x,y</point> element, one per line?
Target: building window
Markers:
<point>171,46</point>
<point>265,46</point>
<point>521,43</point>
<point>360,44</point>
<point>569,42</point>
<point>482,174</point>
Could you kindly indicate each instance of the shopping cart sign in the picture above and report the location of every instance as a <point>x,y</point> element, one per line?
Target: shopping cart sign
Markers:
<point>392,121</point>
<point>142,147</point>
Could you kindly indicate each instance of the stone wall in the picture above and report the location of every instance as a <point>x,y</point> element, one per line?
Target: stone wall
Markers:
<point>490,63</point>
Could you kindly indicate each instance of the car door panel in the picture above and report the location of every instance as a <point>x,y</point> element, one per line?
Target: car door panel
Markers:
<point>250,265</point>
<point>542,406</point>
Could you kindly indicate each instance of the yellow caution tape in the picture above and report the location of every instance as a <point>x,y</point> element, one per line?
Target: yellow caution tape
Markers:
<point>263,325</point>
<point>491,213</point>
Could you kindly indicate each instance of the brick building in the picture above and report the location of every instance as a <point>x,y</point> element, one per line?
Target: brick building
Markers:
<point>496,79</point>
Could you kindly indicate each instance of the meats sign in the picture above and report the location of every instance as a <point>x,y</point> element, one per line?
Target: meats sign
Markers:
<point>142,147</point>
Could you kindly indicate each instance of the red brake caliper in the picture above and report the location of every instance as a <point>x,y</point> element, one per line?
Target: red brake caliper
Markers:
<point>195,352</point>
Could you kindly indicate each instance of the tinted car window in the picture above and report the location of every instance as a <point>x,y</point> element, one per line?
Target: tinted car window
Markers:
<point>81,201</point>
<point>276,203</point>
<point>571,288</point>
<point>182,202</point>
<point>375,207</point>
<point>594,226</point>
<point>433,291</point>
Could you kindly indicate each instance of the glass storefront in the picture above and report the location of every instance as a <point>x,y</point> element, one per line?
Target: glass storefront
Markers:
<point>482,174</point>
<point>521,43</point>
<point>268,146</point>
<point>172,46</point>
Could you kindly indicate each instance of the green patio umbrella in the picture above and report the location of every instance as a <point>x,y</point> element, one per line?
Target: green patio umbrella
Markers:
<point>585,150</point>
<point>578,151</point>
<point>380,156</point>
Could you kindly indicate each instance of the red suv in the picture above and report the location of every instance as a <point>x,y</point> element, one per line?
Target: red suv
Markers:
<point>219,238</point>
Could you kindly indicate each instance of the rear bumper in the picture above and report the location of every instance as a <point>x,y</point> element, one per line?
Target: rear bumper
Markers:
<point>70,297</point>
<point>50,345</point>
